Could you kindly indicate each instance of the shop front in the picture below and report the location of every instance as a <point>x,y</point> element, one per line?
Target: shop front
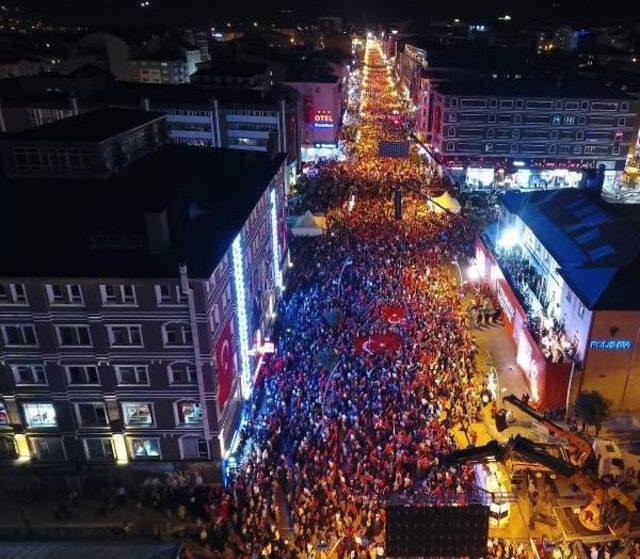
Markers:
<point>548,381</point>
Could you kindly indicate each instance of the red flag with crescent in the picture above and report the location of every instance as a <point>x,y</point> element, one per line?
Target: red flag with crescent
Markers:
<point>393,315</point>
<point>224,362</point>
<point>378,343</point>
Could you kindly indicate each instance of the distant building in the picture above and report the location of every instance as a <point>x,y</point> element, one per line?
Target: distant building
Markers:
<point>132,330</point>
<point>219,117</point>
<point>169,65</point>
<point>529,132</point>
<point>235,74</point>
<point>564,265</point>
<point>330,25</point>
<point>322,105</point>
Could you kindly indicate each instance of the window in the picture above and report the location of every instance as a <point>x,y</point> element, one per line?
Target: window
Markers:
<point>132,374</point>
<point>13,294</point>
<point>170,295</point>
<point>193,448</point>
<point>48,449</point>
<point>577,150</point>
<point>29,374</point>
<point>82,374</point>
<point>137,414</point>
<point>556,120</point>
<point>125,336</point>
<point>571,119</point>
<point>581,310</point>
<point>569,295</point>
<point>176,334</point>
<point>8,449</point>
<point>73,336</point>
<point>39,414</point>
<point>99,449</point>
<point>582,120</point>
<point>92,414</point>
<point>59,294</point>
<point>488,147</point>
<point>118,294</point>
<point>188,413</point>
<point>621,121</point>
<point>4,414</point>
<point>144,448</point>
<point>182,373</point>
<point>19,335</point>
<point>580,135</point>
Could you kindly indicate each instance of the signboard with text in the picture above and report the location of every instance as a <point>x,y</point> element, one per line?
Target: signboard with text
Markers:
<point>323,119</point>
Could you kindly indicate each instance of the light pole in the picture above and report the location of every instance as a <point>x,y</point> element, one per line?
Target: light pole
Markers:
<point>347,262</point>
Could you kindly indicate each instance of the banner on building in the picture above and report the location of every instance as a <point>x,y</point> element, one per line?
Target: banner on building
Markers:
<point>224,363</point>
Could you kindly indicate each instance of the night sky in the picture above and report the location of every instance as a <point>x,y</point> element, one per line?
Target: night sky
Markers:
<point>96,12</point>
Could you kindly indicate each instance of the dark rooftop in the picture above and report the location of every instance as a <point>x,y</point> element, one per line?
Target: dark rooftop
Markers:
<point>569,87</point>
<point>595,244</point>
<point>80,550</point>
<point>207,195</point>
<point>92,126</point>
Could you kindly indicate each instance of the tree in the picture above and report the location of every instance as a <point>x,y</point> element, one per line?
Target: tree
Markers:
<point>592,409</point>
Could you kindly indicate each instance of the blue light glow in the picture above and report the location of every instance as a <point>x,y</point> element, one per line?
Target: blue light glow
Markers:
<point>241,316</point>
<point>277,273</point>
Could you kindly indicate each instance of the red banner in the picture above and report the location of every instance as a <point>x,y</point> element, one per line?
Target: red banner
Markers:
<point>224,363</point>
<point>378,343</point>
<point>393,315</point>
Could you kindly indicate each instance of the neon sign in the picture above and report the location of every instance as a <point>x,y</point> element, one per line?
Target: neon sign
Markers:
<point>615,345</point>
<point>323,119</point>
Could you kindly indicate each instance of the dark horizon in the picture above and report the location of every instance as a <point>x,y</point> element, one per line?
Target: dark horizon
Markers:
<point>358,12</point>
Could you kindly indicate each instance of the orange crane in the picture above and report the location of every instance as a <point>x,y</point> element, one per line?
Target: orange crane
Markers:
<point>579,450</point>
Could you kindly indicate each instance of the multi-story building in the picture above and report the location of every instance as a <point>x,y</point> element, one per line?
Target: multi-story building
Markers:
<point>322,105</point>
<point>529,133</point>
<point>132,336</point>
<point>170,65</point>
<point>564,266</point>
<point>242,119</point>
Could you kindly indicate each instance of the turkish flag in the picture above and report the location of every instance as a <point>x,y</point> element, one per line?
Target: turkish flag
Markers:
<point>224,363</point>
<point>393,315</point>
<point>378,343</point>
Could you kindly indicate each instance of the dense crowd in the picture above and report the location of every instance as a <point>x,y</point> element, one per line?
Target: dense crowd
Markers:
<point>327,442</point>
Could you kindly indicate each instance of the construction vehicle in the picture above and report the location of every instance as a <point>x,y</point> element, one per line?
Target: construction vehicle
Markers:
<point>608,506</point>
<point>579,450</point>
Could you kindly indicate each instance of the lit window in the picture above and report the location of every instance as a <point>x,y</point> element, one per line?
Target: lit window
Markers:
<point>4,414</point>
<point>189,413</point>
<point>39,414</point>
<point>145,448</point>
<point>137,414</point>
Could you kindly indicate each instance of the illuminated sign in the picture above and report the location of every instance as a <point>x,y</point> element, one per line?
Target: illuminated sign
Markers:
<point>323,119</point>
<point>618,345</point>
<point>241,315</point>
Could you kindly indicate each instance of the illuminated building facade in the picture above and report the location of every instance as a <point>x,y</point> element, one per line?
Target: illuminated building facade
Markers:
<point>124,335</point>
<point>322,106</point>
<point>564,266</point>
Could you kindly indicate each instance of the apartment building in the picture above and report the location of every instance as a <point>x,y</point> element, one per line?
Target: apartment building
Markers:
<point>530,133</point>
<point>133,337</point>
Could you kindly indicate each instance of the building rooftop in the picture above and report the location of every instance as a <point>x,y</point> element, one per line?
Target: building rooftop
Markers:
<point>201,196</point>
<point>130,93</point>
<point>92,126</point>
<point>570,87</point>
<point>596,244</point>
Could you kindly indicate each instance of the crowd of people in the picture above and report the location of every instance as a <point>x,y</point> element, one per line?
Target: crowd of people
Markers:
<point>325,445</point>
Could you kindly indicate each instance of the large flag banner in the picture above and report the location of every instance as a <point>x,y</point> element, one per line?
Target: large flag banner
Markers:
<point>393,315</point>
<point>224,362</point>
<point>378,343</point>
